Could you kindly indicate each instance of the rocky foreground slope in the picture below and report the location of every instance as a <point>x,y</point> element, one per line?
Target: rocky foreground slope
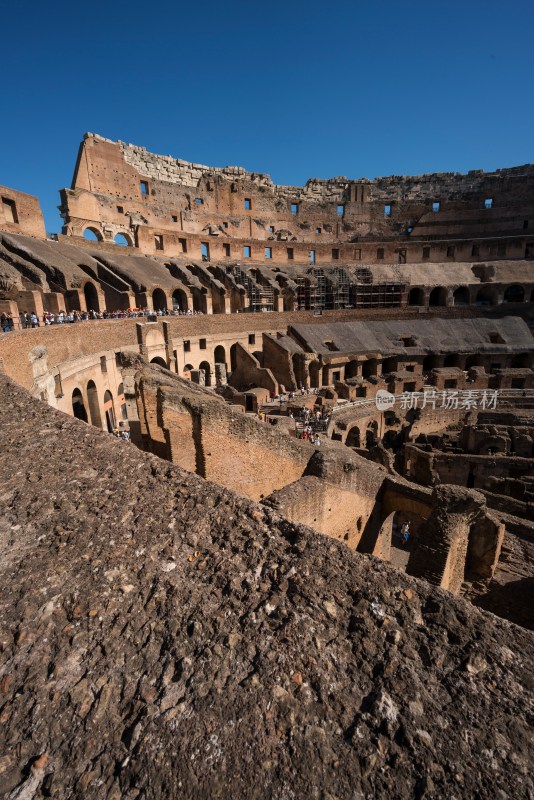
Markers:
<point>164,638</point>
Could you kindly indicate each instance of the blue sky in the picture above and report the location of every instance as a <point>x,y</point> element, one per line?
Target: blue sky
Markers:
<point>297,90</point>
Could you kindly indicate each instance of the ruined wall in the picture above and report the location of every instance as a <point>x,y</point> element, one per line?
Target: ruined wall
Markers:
<point>21,213</point>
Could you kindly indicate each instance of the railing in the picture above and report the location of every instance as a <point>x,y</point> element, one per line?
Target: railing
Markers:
<point>461,394</point>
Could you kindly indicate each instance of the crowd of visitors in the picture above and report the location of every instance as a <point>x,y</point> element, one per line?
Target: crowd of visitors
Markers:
<point>31,320</point>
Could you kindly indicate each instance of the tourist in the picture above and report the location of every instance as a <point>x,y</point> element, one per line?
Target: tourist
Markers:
<point>405,532</point>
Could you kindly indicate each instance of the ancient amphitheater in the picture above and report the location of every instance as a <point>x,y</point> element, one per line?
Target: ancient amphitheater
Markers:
<point>222,401</point>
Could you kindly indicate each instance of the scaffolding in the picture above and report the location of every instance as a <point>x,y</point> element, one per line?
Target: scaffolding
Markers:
<point>259,293</point>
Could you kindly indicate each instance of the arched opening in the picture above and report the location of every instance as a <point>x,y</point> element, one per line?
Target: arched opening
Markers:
<point>199,299</point>
<point>437,297</point>
<point>205,367</point>
<point>522,361</point>
<point>159,361</point>
<point>370,367</point>
<point>187,371</point>
<point>474,361</point>
<point>416,297</point>
<point>393,537</point>
<point>389,365</point>
<point>122,240</point>
<point>220,355</point>
<point>299,372</point>
<point>179,300</point>
<point>94,407</point>
<point>159,301</point>
<point>92,235</point>
<point>109,411</point>
<point>514,294</point>
<point>353,437</point>
<point>233,357</point>
<point>314,371</point>
<point>460,296</point>
<point>78,408</point>
<point>485,297</point>
<point>91,297</point>
<point>122,400</point>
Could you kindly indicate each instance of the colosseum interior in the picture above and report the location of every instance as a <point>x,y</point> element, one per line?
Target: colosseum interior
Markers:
<point>223,401</point>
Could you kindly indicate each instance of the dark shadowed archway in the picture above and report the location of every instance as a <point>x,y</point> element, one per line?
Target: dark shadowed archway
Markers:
<point>78,407</point>
<point>91,297</point>
<point>159,301</point>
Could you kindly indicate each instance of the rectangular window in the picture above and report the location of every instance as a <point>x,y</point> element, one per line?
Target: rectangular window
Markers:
<point>248,204</point>
<point>174,218</point>
<point>252,338</point>
<point>271,228</point>
<point>311,256</point>
<point>226,249</point>
<point>409,387</point>
<point>144,188</point>
<point>294,208</point>
<point>103,365</point>
<point>451,251</point>
<point>202,344</point>
<point>158,241</point>
<point>225,224</point>
<point>402,256</point>
<point>183,245</point>
<point>358,254</point>
<point>120,210</point>
<point>387,211</point>
<point>380,253</point>
<point>488,202</point>
<point>10,210</point>
<point>317,230</point>
<point>246,251</point>
<point>475,251</point>
<point>290,254</point>
<point>187,346</point>
<point>268,252</point>
<point>199,201</point>
<point>205,251</point>
<point>335,253</point>
<point>340,209</point>
<point>426,253</point>
<point>450,383</point>
<point>436,205</point>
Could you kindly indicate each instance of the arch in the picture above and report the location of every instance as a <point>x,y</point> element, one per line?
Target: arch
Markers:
<point>474,361</point>
<point>159,301</point>
<point>179,300</point>
<point>199,299</point>
<point>416,297</point>
<point>431,362</point>
<point>485,297</point>
<point>438,296</point>
<point>460,296</point>
<point>390,541</point>
<point>351,369</point>
<point>371,434</point>
<point>233,356</point>
<point>94,406</point>
<point>389,365</point>
<point>92,234</point>
<point>159,361</point>
<point>354,437</point>
<point>91,297</point>
<point>78,407</point>
<point>122,239</point>
<point>120,389</point>
<point>451,360</point>
<point>205,366</point>
<point>109,411</point>
<point>521,360</point>
<point>220,355</point>
<point>186,372</point>
<point>514,294</point>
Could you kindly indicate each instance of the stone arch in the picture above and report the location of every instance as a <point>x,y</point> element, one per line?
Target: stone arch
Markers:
<point>159,300</point>
<point>514,294</point>
<point>351,368</point>
<point>94,405</point>
<point>91,297</point>
<point>123,239</point>
<point>460,296</point>
<point>438,296</point>
<point>353,437</point>
<point>220,355</point>
<point>233,356</point>
<point>186,372</point>
<point>451,360</point>
<point>109,411</point>
<point>78,407</point>
<point>206,367</point>
<point>92,234</point>
<point>159,361</point>
<point>370,367</point>
<point>416,297</point>
<point>431,361</point>
<point>179,300</point>
<point>199,299</point>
